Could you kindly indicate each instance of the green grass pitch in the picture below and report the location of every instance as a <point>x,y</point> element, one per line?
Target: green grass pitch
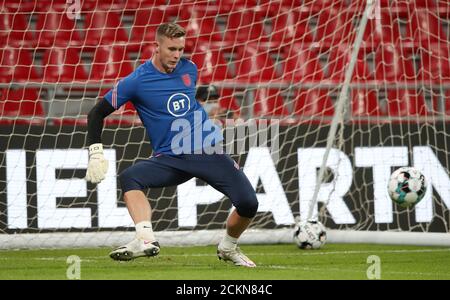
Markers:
<point>334,261</point>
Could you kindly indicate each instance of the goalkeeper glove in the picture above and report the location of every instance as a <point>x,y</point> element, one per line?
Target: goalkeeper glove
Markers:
<point>98,165</point>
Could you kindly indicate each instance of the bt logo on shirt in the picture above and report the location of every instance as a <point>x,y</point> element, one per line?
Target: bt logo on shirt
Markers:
<point>178,104</point>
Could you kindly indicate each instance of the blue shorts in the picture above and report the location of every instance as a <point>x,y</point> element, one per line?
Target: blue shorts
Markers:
<point>218,170</point>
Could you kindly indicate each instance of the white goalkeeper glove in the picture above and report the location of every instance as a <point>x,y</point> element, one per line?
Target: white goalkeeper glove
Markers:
<point>98,165</point>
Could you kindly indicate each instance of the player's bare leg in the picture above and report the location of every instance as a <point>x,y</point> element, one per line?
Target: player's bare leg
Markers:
<point>145,243</point>
<point>138,206</point>
<point>228,249</point>
<point>236,224</point>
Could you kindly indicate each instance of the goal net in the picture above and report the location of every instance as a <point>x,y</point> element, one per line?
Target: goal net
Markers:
<point>281,69</point>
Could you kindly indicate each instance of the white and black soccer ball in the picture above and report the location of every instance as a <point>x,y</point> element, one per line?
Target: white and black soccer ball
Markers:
<point>309,234</point>
<point>407,186</point>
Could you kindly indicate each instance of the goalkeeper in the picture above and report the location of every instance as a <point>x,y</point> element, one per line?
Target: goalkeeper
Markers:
<point>163,93</point>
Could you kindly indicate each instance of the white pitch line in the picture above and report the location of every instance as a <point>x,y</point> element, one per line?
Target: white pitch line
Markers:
<point>280,267</point>
<point>262,266</point>
<point>311,252</point>
<point>307,268</point>
<point>314,252</point>
<point>299,253</point>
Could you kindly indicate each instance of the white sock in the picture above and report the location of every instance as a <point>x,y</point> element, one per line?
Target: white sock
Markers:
<point>228,242</point>
<point>144,231</point>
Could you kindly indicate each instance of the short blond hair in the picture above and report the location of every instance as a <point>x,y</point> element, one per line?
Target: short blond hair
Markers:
<point>170,30</point>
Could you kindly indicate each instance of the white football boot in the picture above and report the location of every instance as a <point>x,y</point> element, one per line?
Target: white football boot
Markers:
<point>235,256</point>
<point>134,249</point>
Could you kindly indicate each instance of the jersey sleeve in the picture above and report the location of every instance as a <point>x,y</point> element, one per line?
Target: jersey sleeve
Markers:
<point>123,91</point>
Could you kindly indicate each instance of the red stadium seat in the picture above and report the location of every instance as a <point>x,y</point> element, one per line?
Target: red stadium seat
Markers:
<point>17,103</point>
<point>360,5</point>
<point>201,27</point>
<point>85,5</point>
<point>276,7</point>
<point>146,53</point>
<point>245,26</point>
<point>312,103</point>
<point>132,5</point>
<point>146,21</point>
<point>253,65</point>
<point>44,5</point>
<point>63,65</point>
<point>269,102</point>
<point>404,103</point>
<point>54,28</point>
<point>339,60</point>
<point>104,28</point>
<point>110,63</point>
<point>391,64</point>
<point>211,64</point>
<point>189,2</point>
<point>443,9</point>
<point>14,30</point>
<point>424,29</point>
<point>301,64</point>
<point>228,5</point>
<point>16,65</point>
<point>283,3</point>
<point>103,4</point>
<point>413,4</point>
<point>325,4</point>
<point>19,6</point>
<point>365,103</point>
<point>435,64</point>
<point>386,29</point>
<point>335,27</point>
<point>400,7</point>
<point>290,26</point>
<point>228,101</point>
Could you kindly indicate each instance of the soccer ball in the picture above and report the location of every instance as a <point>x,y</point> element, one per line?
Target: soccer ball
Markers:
<point>407,186</point>
<point>309,234</point>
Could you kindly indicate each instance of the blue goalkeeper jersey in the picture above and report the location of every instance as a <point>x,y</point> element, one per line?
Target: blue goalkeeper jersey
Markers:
<point>165,102</point>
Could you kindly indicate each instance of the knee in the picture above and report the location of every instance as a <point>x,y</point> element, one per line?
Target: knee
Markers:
<point>248,206</point>
<point>128,182</point>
